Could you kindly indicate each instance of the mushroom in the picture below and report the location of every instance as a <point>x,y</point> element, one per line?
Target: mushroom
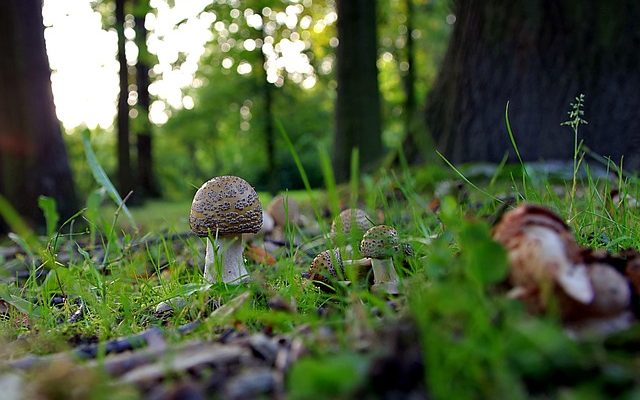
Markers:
<point>609,311</point>
<point>351,219</point>
<point>612,294</point>
<point>543,255</point>
<point>224,208</point>
<point>283,209</point>
<point>325,266</point>
<point>380,243</point>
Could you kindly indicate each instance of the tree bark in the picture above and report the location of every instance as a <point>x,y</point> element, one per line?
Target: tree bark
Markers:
<point>358,100</point>
<point>125,176</point>
<point>538,55</point>
<point>146,181</point>
<point>410,144</point>
<point>270,139</point>
<point>33,159</point>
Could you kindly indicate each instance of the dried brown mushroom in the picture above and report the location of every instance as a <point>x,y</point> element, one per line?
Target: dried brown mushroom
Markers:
<point>543,255</point>
<point>381,243</point>
<point>612,294</point>
<point>223,209</point>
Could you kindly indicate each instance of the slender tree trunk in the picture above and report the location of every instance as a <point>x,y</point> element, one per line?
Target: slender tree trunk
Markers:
<point>268,124</point>
<point>33,159</point>
<point>125,176</point>
<point>538,55</point>
<point>358,99</point>
<point>146,182</point>
<point>410,146</point>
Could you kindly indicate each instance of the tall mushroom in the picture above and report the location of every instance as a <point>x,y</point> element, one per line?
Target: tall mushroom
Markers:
<point>380,243</point>
<point>224,208</point>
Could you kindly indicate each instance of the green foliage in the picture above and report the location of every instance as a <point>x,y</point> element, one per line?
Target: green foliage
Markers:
<point>330,377</point>
<point>51,216</point>
<point>101,177</point>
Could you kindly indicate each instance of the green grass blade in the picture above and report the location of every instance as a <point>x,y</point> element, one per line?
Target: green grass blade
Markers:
<point>301,170</point>
<point>101,176</point>
<point>51,216</point>
<point>464,178</point>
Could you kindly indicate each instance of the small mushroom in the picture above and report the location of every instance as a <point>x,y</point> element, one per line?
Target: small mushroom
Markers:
<point>543,255</point>
<point>224,208</point>
<point>325,266</point>
<point>351,219</point>
<point>380,243</point>
<point>283,209</point>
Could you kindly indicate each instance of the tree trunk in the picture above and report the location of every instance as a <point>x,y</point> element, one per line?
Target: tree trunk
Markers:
<point>146,181</point>
<point>267,98</point>
<point>410,145</point>
<point>358,100</point>
<point>33,159</point>
<point>125,178</point>
<point>538,55</point>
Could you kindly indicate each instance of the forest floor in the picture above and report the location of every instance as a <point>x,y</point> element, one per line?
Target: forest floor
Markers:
<point>118,312</point>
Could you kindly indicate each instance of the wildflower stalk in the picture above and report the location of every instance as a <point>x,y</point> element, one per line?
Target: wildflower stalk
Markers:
<point>576,114</point>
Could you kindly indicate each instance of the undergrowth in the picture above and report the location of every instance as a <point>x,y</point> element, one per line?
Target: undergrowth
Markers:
<point>474,341</point>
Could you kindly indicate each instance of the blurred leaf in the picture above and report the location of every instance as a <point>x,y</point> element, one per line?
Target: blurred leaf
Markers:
<point>10,295</point>
<point>486,260</point>
<point>27,239</point>
<point>327,378</point>
<point>92,213</point>
<point>51,216</point>
<point>101,176</point>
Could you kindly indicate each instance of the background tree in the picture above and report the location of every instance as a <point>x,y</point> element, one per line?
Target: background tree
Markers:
<point>246,82</point>
<point>146,185</point>
<point>538,55</point>
<point>357,111</point>
<point>125,174</point>
<point>33,159</point>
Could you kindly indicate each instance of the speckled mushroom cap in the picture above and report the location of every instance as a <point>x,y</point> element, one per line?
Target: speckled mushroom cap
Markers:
<point>325,265</point>
<point>226,204</point>
<point>277,210</point>
<point>380,241</point>
<point>361,219</point>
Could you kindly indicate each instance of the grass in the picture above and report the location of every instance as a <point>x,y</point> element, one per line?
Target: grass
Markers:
<point>474,341</point>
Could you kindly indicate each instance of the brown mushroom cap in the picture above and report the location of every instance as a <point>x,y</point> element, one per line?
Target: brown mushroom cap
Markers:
<point>380,241</point>
<point>325,265</point>
<point>276,209</point>
<point>226,204</point>
<point>359,217</point>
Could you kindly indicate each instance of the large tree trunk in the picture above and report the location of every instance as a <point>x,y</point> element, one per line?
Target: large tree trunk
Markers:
<point>538,55</point>
<point>33,159</point>
<point>146,181</point>
<point>125,176</point>
<point>358,100</point>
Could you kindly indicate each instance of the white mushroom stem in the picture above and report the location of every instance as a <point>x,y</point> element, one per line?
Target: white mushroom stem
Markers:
<point>228,250</point>
<point>385,277</point>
